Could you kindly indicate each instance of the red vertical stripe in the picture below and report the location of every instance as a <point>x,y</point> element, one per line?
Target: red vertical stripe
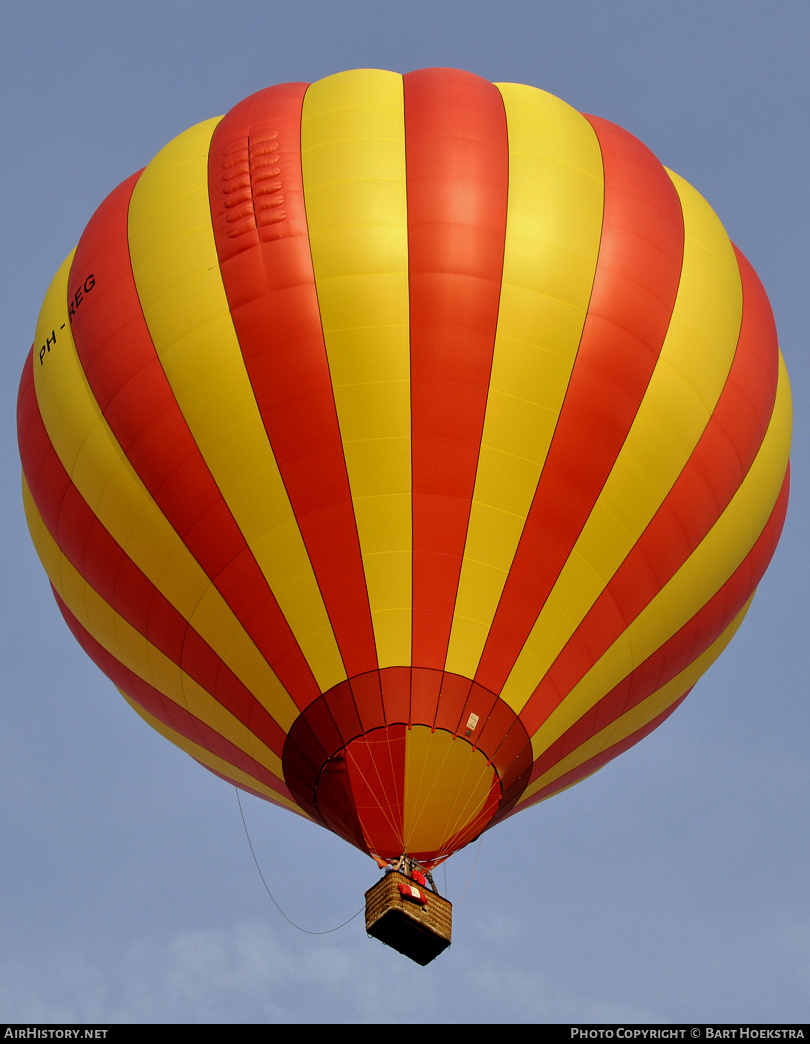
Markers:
<point>457,175</point>
<point>127,379</point>
<point>267,272</point>
<point>635,285</point>
<point>167,711</point>
<point>594,763</point>
<point>110,572</point>
<point>674,656</point>
<point>701,493</point>
<point>377,768</point>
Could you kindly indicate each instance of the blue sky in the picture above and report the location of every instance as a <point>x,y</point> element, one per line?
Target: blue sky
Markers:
<point>670,886</point>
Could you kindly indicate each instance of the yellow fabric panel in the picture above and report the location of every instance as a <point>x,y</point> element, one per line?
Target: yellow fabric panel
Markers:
<point>704,573</point>
<point>177,273</point>
<point>690,375</point>
<point>133,650</point>
<point>106,480</point>
<point>555,182</point>
<point>637,717</point>
<point>59,417</point>
<point>353,157</point>
<point>211,761</point>
<point>49,553</point>
<point>436,763</point>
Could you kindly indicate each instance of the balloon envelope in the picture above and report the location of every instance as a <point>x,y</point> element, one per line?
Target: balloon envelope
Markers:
<point>404,448</point>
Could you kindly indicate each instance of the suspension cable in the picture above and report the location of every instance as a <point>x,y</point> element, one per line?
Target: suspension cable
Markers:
<point>307,931</point>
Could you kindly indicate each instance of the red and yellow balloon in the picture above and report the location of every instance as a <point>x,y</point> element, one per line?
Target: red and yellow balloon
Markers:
<point>404,448</point>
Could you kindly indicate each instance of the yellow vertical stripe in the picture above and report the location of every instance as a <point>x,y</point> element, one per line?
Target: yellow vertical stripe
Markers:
<point>687,382</point>
<point>637,717</point>
<point>176,270</point>
<point>214,763</point>
<point>353,157</point>
<point>447,782</point>
<point>555,182</point>
<point>106,480</point>
<point>134,650</point>
<point>703,573</point>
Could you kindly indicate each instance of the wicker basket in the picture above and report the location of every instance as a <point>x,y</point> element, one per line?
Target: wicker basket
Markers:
<point>420,932</point>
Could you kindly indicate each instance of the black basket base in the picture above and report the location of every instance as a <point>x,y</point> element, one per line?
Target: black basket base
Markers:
<point>416,931</point>
<point>398,931</point>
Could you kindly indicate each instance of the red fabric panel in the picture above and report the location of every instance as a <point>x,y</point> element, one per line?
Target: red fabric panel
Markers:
<point>597,762</point>
<point>457,175</point>
<point>455,692</point>
<point>412,892</point>
<point>672,657</point>
<point>701,493</point>
<point>166,710</point>
<point>336,808</point>
<point>376,765</point>
<point>368,699</point>
<point>396,689</point>
<point>635,286</point>
<point>268,277</point>
<point>426,686</point>
<point>115,577</point>
<point>125,375</point>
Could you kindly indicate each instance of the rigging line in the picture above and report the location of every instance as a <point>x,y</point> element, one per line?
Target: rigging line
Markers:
<point>457,816</point>
<point>389,811</point>
<point>460,817</point>
<point>307,931</point>
<point>370,775</point>
<point>472,827</point>
<point>435,774</point>
<point>399,795</point>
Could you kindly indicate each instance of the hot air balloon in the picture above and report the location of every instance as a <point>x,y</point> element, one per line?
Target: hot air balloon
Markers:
<point>404,448</point>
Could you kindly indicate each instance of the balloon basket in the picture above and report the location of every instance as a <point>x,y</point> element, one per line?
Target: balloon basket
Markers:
<point>419,928</point>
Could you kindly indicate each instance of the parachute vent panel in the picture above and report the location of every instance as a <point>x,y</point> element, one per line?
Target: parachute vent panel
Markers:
<point>419,930</point>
